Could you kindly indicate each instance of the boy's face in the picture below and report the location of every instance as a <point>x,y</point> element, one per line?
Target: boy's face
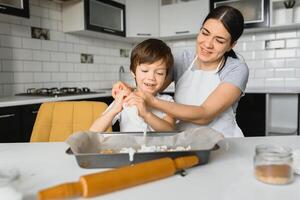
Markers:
<point>150,77</point>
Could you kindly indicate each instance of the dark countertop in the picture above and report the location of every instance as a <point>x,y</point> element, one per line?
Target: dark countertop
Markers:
<point>26,100</point>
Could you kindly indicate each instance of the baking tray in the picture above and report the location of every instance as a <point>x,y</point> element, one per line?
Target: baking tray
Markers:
<point>112,160</point>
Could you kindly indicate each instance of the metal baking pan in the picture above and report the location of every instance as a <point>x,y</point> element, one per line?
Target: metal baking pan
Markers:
<point>112,160</point>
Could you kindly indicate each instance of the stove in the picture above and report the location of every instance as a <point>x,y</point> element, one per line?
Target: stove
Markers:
<point>57,92</point>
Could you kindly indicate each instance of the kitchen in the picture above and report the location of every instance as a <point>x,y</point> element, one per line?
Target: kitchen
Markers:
<point>272,52</point>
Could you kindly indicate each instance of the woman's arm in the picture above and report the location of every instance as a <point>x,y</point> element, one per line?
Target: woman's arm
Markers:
<point>158,124</point>
<point>217,102</point>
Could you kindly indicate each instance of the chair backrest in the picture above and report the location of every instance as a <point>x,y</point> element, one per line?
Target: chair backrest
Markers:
<point>56,121</point>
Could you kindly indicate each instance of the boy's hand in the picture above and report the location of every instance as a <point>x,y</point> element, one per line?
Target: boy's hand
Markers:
<point>119,100</point>
<point>134,100</point>
<point>120,86</point>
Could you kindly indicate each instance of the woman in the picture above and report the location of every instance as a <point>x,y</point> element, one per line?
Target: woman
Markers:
<point>210,82</point>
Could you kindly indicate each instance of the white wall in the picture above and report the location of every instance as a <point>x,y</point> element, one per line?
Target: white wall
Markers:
<point>27,62</point>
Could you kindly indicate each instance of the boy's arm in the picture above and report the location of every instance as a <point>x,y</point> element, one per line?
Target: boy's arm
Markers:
<point>104,121</point>
<point>158,124</point>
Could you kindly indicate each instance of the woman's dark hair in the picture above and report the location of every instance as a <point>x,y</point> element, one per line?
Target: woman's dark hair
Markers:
<point>150,51</point>
<point>232,19</point>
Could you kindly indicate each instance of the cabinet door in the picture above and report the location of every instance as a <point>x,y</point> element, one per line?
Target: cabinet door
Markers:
<point>142,18</point>
<point>183,18</point>
<point>282,114</point>
<point>251,114</point>
<point>17,7</point>
<point>284,13</point>
<point>28,116</point>
<point>10,124</point>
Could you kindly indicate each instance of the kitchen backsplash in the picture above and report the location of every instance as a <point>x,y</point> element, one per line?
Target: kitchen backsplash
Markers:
<point>27,62</point>
<point>35,63</point>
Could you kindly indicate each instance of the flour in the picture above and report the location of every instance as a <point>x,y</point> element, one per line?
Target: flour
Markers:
<point>131,151</point>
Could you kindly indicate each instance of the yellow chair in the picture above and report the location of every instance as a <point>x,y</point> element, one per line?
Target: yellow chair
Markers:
<point>56,121</point>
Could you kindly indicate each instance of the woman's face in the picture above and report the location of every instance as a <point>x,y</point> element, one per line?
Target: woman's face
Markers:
<point>212,42</point>
<point>150,77</point>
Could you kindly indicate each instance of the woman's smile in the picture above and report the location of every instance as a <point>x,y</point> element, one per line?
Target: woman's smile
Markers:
<point>203,51</point>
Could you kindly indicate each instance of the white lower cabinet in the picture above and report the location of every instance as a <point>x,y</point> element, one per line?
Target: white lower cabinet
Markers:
<point>282,114</point>
<point>183,18</point>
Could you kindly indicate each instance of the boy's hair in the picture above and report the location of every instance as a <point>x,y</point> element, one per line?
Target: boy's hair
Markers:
<point>150,51</point>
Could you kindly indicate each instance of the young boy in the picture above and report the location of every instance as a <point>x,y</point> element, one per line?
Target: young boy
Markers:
<point>151,61</point>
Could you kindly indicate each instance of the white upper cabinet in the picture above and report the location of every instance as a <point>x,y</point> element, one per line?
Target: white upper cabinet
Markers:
<point>142,18</point>
<point>285,13</point>
<point>182,17</point>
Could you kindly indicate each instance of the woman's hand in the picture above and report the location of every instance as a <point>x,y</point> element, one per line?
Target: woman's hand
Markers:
<point>120,86</point>
<point>134,100</point>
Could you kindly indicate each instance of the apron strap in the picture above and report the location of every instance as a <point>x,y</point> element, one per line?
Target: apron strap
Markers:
<point>214,71</point>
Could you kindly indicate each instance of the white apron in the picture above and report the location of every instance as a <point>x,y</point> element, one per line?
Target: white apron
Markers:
<point>193,88</point>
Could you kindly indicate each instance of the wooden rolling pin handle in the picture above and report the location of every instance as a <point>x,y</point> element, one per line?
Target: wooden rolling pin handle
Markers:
<point>62,191</point>
<point>186,162</point>
<point>112,180</point>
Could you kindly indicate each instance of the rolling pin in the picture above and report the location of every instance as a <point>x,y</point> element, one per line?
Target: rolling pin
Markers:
<point>112,180</point>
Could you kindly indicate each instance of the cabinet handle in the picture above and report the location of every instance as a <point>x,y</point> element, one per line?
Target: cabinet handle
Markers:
<point>2,8</point>
<point>109,30</point>
<point>35,112</point>
<point>144,34</point>
<point>7,116</point>
<point>181,32</point>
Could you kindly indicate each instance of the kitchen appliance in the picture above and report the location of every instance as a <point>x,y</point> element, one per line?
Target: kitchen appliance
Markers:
<point>104,16</point>
<point>57,92</point>
<point>256,12</point>
<point>16,7</point>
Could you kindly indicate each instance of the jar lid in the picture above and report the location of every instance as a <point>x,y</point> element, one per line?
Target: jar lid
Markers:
<point>296,161</point>
<point>272,152</point>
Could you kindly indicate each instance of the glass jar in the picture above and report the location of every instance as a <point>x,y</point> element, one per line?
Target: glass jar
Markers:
<point>273,164</point>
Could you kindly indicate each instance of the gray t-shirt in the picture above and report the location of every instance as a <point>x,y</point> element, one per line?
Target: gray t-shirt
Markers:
<point>235,71</point>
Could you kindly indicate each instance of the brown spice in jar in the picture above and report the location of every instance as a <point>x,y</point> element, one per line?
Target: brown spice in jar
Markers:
<point>274,174</point>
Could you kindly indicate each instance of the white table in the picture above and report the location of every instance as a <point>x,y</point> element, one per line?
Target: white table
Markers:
<point>227,176</point>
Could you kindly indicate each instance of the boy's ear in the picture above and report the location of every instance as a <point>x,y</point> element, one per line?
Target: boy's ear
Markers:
<point>132,74</point>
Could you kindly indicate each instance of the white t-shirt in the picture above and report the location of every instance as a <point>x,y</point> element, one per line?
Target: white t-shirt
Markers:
<point>130,121</point>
